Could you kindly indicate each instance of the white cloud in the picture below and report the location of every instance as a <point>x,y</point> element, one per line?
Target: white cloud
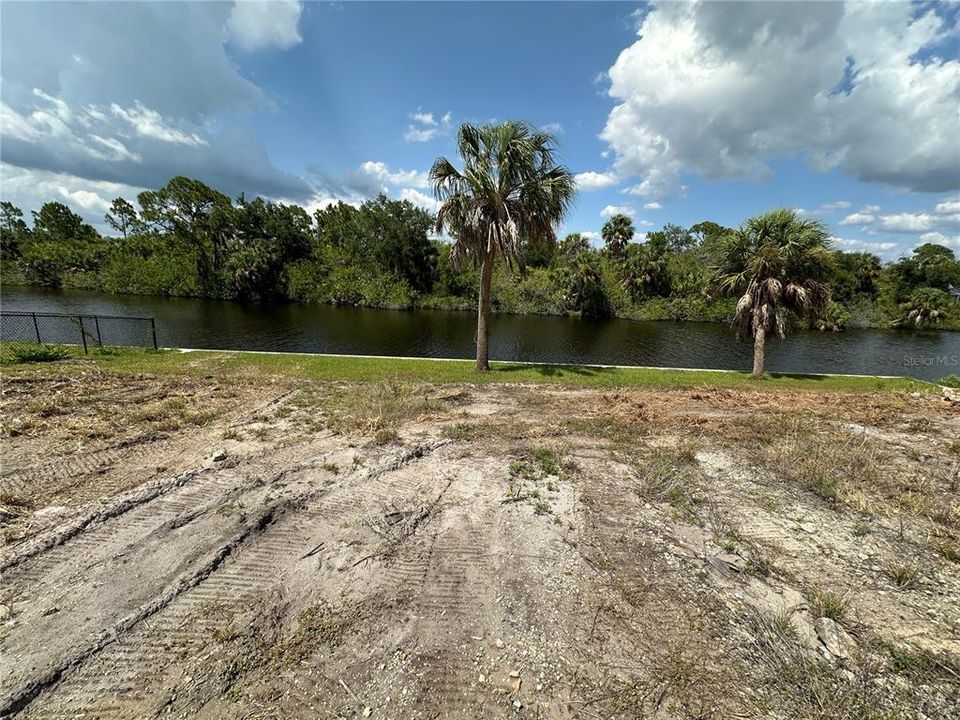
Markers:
<point>372,178</point>
<point>917,222</point>
<point>423,118</point>
<point>712,88</point>
<point>415,134</point>
<point>29,189</point>
<point>595,181</point>
<point>854,245</point>
<point>652,206</point>
<point>611,210</point>
<point>425,126</point>
<point>939,238</point>
<point>554,128</point>
<point>948,206</point>
<point>836,205</point>
<point>592,237</point>
<point>149,124</point>
<point>133,94</point>
<point>421,200</point>
<point>858,218</point>
<point>258,25</point>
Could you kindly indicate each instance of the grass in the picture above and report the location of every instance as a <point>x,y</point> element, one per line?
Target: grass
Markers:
<point>344,368</point>
<point>18,353</point>
<point>824,603</point>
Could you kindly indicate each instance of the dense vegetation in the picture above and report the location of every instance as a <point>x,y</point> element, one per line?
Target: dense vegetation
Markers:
<point>188,239</point>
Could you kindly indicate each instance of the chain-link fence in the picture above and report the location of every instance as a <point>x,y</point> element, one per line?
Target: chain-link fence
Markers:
<point>89,331</point>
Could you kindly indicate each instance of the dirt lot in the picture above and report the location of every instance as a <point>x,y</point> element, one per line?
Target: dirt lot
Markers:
<point>240,547</point>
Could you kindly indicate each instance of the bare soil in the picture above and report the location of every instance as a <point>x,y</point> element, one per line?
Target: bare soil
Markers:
<point>244,547</point>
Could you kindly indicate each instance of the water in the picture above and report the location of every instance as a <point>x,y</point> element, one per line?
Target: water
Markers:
<point>186,322</point>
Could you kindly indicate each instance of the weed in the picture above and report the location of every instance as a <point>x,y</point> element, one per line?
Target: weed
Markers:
<point>903,575</point>
<point>461,431</point>
<point>331,467</point>
<point>824,603</point>
<point>518,468</point>
<point>547,460</point>
<point>947,550</point>
<point>232,434</point>
<point>861,528</point>
<point>666,478</point>
<point>15,353</point>
<point>385,436</point>
<point>541,507</point>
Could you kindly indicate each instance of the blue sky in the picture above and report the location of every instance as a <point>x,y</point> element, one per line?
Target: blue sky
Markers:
<point>671,112</point>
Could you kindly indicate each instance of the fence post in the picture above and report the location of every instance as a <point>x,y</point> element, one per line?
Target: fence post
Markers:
<point>36,327</point>
<point>83,335</point>
<point>153,327</point>
<point>96,321</point>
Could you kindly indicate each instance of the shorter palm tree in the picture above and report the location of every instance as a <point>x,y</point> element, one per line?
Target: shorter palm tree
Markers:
<point>776,262</point>
<point>616,233</point>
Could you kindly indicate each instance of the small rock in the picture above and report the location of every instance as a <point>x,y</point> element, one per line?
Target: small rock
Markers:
<point>834,638</point>
<point>6,612</point>
<point>220,455</point>
<point>500,644</point>
<point>514,674</point>
<point>517,704</point>
<point>367,712</point>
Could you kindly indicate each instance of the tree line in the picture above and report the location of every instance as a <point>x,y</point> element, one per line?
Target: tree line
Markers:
<point>187,239</point>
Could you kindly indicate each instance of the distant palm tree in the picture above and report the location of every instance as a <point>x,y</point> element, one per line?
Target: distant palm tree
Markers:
<point>775,261</point>
<point>925,308</point>
<point>616,233</point>
<point>509,190</point>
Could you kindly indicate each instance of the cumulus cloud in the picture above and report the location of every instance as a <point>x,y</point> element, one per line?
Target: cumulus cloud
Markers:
<point>133,94</point>
<point>373,178</point>
<point>554,128</point>
<point>257,25</point>
<point>713,88</point>
<point>29,189</point>
<point>611,210</point>
<point>854,245</point>
<point>652,206</point>
<point>939,225</point>
<point>858,218</point>
<point>424,126</point>
<point>595,181</point>
<point>420,199</point>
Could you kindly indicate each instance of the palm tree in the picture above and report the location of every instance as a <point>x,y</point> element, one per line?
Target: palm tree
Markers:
<point>509,190</point>
<point>775,262</point>
<point>925,308</point>
<point>616,233</point>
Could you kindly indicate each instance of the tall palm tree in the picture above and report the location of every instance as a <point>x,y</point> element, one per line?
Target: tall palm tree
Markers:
<point>616,233</point>
<point>509,190</point>
<point>776,262</point>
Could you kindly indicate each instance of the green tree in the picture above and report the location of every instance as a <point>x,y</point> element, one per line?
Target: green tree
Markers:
<point>395,234</point>
<point>616,233</point>
<point>197,214</point>
<point>510,189</point>
<point>927,307</point>
<point>55,221</point>
<point>572,246</point>
<point>122,217</point>
<point>13,230</point>
<point>775,262</point>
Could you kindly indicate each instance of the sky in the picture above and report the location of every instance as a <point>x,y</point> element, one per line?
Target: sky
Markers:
<point>669,112</point>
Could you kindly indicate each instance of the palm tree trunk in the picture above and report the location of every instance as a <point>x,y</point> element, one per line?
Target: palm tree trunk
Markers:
<point>759,338</point>
<point>483,313</point>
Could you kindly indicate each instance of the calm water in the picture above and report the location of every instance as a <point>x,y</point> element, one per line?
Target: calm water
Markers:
<point>215,324</point>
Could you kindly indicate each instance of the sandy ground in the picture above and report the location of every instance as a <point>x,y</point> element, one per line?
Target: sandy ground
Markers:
<point>230,547</point>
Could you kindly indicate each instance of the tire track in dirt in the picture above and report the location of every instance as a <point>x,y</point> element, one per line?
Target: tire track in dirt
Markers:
<point>120,669</point>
